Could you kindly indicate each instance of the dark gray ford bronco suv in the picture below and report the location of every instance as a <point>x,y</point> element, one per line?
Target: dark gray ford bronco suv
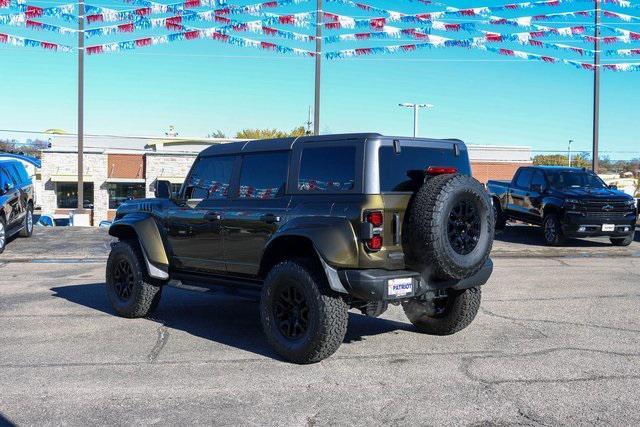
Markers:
<point>317,225</point>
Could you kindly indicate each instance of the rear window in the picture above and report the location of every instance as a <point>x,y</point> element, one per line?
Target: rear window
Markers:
<point>327,169</point>
<point>394,168</point>
<point>524,178</point>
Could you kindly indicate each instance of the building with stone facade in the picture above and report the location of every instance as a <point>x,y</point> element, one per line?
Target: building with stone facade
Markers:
<point>120,168</point>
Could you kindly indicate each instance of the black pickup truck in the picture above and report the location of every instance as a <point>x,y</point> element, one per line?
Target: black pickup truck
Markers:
<point>566,202</point>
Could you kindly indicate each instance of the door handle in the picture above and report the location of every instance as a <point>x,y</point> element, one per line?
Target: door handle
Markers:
<point>212,216</point>
<point>270,218</point>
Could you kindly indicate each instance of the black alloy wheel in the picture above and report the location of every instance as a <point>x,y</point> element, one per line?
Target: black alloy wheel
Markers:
<point>463,227</point>
<point>291,312</point>
<point>550,229</point>
<point>124,280</point>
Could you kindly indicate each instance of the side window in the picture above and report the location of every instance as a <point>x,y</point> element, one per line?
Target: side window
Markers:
<point>263,176</point>
<point>327,169</point>
<point>538,179</point>
<point>22,174</point>
<point>4,179</point>
<point>524,178</point>
<point>14,175</point>
<point>210,177</point>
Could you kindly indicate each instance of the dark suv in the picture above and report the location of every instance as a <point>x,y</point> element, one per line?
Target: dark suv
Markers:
<point>16,201</point>
<point>317,226</point>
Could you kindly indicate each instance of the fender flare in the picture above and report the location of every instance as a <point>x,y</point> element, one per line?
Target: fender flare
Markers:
<point>144,228</point>
<point>333,239</point>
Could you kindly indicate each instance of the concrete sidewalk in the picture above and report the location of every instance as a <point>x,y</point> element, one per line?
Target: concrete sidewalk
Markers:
<point>92,244</point>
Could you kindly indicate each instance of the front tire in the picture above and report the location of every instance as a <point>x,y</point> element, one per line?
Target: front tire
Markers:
<point>622,241</point>
<point>303,320</point>
<point>552,228</point>
<point>27,227</point>
<point>131,291</point>
<point>3,233</point>
<point>444,316</point>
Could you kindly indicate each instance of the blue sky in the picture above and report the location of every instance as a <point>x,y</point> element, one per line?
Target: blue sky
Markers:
<point>203,85</point>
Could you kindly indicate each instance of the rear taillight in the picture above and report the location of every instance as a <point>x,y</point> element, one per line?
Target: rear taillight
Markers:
<point>375,218</point>
<point>372,227</point>
<point>441,170</point>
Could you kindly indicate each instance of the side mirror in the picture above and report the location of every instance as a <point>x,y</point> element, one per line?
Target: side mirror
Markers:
<point>7,187</point>
<point>163,189</point>
<point>613,187</point>
<point>536,188</point>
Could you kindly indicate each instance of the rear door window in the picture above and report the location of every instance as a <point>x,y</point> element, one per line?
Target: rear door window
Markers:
<point>263,176</point>
<point>524,179</point>
<point>327,169</point>
<point>210,178</point>
<point>395,167</point>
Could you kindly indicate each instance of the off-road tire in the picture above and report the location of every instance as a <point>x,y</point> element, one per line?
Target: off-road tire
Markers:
<point>27,229</point>
<point>3,227</point>
<point>552,230</point>
<point>622,241</point>
<point>146,291</point>
<point>499,217</point>
<point>425,234</point>
<point>327,316</point>
<point>461,309</point>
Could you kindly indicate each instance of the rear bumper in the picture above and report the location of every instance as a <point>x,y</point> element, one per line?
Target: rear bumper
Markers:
<point>576,225</point>
<point>374,284</point>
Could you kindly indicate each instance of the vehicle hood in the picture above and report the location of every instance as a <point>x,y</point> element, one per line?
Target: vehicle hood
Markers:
<point>594,193</point>
<point>144,205</point>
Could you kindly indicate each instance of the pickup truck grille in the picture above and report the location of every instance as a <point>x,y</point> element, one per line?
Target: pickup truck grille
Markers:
<point>598,205</point>
<point>607,215</point>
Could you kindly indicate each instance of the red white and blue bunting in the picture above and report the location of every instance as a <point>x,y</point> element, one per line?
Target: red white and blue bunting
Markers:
<point>27,42</point>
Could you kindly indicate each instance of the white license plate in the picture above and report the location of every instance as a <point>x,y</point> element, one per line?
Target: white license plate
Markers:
<point>400,287</point>
<point>608,227</point>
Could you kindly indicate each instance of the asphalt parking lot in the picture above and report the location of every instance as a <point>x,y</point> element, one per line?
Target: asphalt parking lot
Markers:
<point>556,342</point>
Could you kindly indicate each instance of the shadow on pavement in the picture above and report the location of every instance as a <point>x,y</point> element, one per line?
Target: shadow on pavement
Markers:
<point>227,319</point>
<point>533,236</point>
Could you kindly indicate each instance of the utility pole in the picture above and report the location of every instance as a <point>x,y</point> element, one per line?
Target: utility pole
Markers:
<point>80,104</point>
<point>309,122</point>
<point>415,107</point>
<point>570,141</point>
<point>319,23</point>
<point>596,88</point>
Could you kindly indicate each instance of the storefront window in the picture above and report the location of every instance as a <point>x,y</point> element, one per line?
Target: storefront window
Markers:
<point>67,195</point>
<point>120,192</point>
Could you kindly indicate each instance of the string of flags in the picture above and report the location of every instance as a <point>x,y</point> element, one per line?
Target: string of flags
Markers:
<point>485,28</point>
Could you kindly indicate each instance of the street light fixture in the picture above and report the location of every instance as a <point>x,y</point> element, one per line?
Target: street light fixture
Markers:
<point>415,107</point>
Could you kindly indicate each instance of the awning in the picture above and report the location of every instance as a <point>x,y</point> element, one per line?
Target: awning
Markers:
<point>172,179</point>
<point>126,180</point>
<point>70,178</point>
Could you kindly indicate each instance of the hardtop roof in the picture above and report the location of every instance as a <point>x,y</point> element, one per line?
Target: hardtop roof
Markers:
<point>279,144</point>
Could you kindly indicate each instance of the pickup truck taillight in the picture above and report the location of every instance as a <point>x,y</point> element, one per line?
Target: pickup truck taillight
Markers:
<point>372,227</point>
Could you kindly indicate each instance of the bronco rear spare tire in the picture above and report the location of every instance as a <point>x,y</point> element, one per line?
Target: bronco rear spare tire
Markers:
<point>448,227</point>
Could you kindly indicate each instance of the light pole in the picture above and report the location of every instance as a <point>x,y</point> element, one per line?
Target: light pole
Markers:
<point>570,141</point>
<point>415,107</point>
<point>80,104</point>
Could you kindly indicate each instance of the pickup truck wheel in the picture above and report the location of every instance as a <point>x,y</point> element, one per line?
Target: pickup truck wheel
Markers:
<point>3,234</point>
<point>449,226</point>
<point>131,291</point>
<point>553,234</point>
<point>622,241</point>
<point>444,316</point>
<point>304,321</point>
<point>499,218</point>
<point>27,227</point>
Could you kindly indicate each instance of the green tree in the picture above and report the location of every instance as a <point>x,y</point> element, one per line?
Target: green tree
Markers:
<point>270,133</point>
<point>217,134</point>
<point>578,160</point>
